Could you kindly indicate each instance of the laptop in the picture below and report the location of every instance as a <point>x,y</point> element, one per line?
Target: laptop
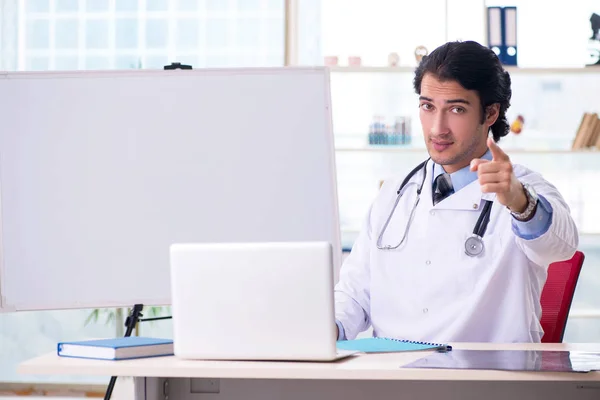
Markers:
<point>253,301</point>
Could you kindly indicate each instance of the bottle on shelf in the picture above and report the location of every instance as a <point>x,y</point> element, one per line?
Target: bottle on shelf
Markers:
<point>397,134</point>
<point>389,134</point>
<point>375,130</point>
<point>392,135</point>
<point>400,130</point>
<point>379,130</point>
<point>372,133</point>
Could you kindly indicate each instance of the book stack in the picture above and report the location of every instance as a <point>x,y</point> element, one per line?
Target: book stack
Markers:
<point>588,134</point>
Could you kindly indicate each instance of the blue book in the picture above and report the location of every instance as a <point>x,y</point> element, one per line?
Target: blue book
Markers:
<point>388,345</point>
<point>117,349</point>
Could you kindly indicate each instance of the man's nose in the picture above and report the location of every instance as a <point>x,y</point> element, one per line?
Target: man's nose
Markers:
<point>439,125</point>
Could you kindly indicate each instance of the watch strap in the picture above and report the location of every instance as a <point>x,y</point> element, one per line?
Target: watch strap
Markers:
<point>532,201</point>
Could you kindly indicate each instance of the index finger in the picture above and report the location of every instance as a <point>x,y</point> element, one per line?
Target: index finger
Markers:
<point>497,153</point>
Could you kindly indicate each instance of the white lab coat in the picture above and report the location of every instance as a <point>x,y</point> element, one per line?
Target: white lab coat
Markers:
<point>429,289</point>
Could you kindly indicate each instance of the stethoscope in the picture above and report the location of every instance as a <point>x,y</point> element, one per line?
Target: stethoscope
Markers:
<point>473,244</point>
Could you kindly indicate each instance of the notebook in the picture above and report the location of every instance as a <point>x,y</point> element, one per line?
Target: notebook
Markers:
<point>389,345</point>
<point>117,349</point>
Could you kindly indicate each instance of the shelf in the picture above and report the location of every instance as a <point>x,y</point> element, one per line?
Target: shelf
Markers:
<point>408,149</point>
<point>515,70</point>
<point>373,69</point>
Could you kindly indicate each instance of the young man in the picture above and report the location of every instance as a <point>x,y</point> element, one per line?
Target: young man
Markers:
<point>460,251</point>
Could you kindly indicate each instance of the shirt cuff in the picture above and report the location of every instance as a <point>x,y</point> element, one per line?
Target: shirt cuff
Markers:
<point>342,334</point>
<point>536,226</point>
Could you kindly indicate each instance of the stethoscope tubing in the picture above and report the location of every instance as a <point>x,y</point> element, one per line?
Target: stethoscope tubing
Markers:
<point>473,245</point>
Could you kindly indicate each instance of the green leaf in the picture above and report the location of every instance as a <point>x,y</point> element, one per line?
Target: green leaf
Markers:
<point>92,317</point>
<point>111,317</point>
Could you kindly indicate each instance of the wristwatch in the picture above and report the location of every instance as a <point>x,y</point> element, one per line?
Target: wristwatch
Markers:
<point>532,201</point>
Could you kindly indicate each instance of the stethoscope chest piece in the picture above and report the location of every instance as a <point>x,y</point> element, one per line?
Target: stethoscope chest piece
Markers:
<point>474,245</point>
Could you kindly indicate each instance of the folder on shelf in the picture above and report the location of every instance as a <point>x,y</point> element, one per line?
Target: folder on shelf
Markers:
<point>588,134</point>
<point>495,42</point>
<point>579,135</point>
<point>595,141</point>
<point>509,24</point>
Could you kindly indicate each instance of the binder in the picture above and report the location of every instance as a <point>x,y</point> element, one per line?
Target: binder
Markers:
<point>502,33</point>
<point>494,22</point>
<point>509,25</point>
<point>588,133</point>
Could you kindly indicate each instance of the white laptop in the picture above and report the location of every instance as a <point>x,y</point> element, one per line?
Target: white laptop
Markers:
<point>254,301</point>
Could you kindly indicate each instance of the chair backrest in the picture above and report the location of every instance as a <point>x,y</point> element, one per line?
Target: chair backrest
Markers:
<point>557,296</point>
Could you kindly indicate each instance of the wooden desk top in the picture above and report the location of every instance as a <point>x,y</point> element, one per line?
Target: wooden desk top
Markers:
<point>358,367</point>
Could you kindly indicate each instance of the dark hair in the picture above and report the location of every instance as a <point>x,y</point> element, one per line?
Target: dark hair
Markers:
<point>474,67</point>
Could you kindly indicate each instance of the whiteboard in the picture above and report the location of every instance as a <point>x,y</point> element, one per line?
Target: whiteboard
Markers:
<point>101,171</point>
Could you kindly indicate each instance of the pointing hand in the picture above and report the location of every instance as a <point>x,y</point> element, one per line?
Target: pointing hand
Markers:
<point>497,176</point>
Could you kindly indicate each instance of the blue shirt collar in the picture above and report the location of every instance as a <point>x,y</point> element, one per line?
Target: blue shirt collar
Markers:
<point>462,177</point>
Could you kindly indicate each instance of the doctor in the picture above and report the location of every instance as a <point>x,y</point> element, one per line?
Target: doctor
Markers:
<point>458,249</point>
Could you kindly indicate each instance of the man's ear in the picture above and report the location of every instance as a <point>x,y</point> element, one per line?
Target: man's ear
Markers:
<point>491,114</point>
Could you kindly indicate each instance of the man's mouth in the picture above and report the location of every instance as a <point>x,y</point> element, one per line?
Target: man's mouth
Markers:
<point>441,145</point>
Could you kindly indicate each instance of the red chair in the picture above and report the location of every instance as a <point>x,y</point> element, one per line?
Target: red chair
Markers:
<point>557,296</point>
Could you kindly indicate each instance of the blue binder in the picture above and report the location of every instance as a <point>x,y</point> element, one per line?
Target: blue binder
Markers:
<point>502,33</point>
<point>509,26</point>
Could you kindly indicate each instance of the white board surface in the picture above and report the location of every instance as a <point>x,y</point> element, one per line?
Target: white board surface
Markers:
<point>101,171</point>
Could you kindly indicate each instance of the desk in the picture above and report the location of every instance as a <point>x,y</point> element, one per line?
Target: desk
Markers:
<point>365,376</point>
